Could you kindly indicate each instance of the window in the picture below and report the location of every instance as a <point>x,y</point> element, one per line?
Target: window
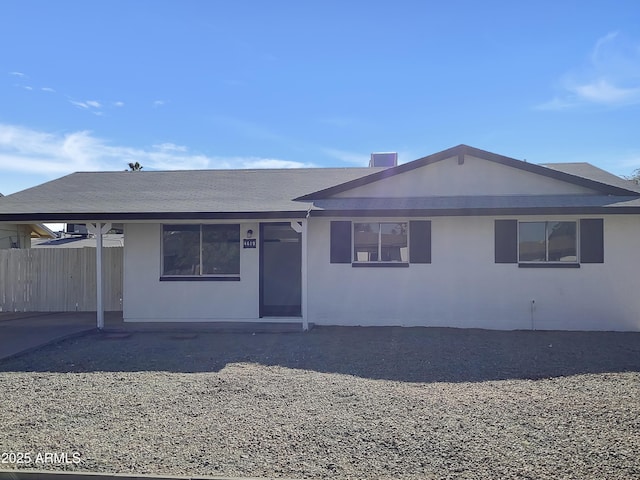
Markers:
<point>547,242</point>
<point>380,242</point>
<point>201,250</point>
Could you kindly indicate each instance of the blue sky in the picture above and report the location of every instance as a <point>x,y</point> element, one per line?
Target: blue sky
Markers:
<point>237,84</point>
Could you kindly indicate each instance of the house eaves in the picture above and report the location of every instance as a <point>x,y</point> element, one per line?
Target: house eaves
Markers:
<point>478,205</point>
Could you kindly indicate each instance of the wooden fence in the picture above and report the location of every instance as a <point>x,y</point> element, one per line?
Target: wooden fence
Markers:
<point>58,280</point>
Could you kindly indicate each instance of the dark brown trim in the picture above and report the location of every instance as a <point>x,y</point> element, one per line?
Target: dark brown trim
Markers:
<point>340,241</point>
<point>198,278</point>
<point>477,212</point>
<point>454,212</point>
<point>592,240</point>
<point>160,216</point>
<point>459,152</point>
<point>381,264</point>
<point>548,265</point>
<point>505,241</point>
<point>420,241</point>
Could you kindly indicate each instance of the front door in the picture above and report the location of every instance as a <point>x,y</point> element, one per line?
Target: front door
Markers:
<point>280,270</point>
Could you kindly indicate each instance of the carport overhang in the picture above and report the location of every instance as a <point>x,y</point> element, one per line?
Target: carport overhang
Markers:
<point>99,224</point>
<point>96,227</point>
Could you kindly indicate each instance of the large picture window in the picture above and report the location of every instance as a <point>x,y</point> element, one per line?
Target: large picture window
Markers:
<point>380,242</point>
<point>201,250</point>
<point>547,242</point>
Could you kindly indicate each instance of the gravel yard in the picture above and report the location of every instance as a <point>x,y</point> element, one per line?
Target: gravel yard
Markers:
<point>332,403</point>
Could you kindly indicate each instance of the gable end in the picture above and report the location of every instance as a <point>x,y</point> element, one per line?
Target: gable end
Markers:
<point>460,151</point>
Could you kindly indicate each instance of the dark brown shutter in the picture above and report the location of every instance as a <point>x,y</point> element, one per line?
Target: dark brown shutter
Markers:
<point>591,240</point>
<point>340,242</point>
<point>506,241</point>
<point>420,241</point>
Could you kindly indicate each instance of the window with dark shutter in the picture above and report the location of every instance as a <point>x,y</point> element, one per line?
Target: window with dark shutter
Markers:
<point>506,241</point>
<point>420,241</point>
<point>340,248</point>
<point>592,240</point>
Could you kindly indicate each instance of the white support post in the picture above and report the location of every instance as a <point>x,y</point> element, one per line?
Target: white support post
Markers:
<point>98,230</point>
<point>305,236</point>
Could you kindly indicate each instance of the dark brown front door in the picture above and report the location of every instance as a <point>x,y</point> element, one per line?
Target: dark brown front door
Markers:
<point>280,270</point>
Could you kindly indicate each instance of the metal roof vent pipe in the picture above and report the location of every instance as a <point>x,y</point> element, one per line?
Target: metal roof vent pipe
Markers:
<point>384,159</point>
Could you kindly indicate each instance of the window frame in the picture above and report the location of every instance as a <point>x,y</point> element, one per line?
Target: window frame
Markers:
<point>198,276</point>
<point>547,262</point>
<point>391,263</point>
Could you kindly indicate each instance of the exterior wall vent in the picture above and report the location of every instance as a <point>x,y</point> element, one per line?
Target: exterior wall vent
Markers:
<point>384,159</point>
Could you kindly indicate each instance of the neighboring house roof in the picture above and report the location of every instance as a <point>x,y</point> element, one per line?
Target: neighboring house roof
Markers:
<point>110,240</point>
<point>591,172</point>
<point>296,193</point>
<point>38,230</point>
<point>41,231</point>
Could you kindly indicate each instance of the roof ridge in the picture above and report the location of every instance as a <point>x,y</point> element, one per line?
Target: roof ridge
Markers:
<point>364,169</point>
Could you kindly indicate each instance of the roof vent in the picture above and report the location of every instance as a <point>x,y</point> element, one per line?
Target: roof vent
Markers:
<point>384,159</point>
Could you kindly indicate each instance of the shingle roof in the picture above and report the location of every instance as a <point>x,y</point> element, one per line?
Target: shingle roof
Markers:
<point>174,194</point>
<point>591,172</point>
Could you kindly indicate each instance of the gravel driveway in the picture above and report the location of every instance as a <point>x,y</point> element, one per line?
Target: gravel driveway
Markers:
<point>332,403</point>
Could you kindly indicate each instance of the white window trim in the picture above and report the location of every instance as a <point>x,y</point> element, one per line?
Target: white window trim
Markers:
<point>377,262</point>
<point>552,262</point>
<point>197,275</point>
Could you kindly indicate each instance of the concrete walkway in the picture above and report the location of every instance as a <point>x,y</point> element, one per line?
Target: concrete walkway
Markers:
<point>24,332</point>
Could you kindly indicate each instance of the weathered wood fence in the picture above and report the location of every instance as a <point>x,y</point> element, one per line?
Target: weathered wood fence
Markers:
<point>58,280</point>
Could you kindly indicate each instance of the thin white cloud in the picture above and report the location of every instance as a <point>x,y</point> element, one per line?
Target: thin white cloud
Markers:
<point>170,147</point>
<point>254,162</point>
<point>79,104</point>
<point>611,77</point>
<point>602,91</point>
<point>360,159</point>
<point>558,103</point>
<point>92,105</point>
<point>354,158</point>
<point>46,154</point>
<point>158,103</point>
<point>600,45</point>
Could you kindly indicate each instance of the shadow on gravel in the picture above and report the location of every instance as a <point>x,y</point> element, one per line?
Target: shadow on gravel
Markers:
<point>390,353</point>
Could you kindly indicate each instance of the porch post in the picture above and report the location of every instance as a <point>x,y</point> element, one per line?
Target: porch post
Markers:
<point>305,317</point>
<point>98,230</point>
<point>100,306</point>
